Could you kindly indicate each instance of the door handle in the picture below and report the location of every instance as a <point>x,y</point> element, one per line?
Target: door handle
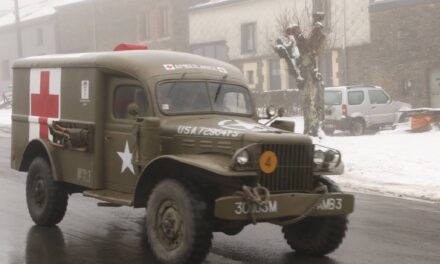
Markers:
<point>373,107</point>
<point>107,138</point>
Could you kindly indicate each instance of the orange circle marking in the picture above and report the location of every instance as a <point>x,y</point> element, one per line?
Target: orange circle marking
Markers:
<point>268,162</point>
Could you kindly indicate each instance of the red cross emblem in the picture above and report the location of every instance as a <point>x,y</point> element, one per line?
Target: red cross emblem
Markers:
<point>43,104</point>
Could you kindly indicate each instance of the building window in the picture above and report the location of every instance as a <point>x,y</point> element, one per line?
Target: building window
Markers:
<point>356,97</point>
<point>248,38</point>
<point>292,82</point>
<point>275,75</point>
<point>144,26</point>
<point>250,77</point>
<point>216,50</point>
<point>164,22</point>
<point>6,70</point>
<point>323,6</point>
<point>40,37</point>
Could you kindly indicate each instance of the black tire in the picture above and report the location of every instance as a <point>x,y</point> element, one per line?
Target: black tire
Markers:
<point>317,236</point>
<point>46,199</point>
<point>357,127</point>
<point>177,223</point>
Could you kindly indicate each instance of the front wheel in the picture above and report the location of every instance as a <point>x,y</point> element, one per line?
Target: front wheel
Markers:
<point>46,199</point>
<point>177,223</point>
<point>317,236</point>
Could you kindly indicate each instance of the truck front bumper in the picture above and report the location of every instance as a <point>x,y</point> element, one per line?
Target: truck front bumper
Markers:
<point>284,205</point>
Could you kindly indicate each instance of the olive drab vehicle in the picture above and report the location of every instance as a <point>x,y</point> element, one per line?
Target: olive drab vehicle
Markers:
<point>176,134</point>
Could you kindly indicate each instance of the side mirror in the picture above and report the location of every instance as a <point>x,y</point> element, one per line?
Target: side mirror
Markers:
<point>133,109</point>
<point>271,111</point>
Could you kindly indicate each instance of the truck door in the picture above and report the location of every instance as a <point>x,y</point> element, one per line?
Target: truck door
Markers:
<point>120,172</point>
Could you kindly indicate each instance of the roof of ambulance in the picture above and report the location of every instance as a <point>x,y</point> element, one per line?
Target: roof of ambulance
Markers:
<point>145,63</point>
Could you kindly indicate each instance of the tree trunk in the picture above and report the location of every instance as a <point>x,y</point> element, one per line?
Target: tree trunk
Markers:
<point>313,110</point>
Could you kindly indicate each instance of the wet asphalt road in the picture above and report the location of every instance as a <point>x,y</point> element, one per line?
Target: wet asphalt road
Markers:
<point>382,230</point>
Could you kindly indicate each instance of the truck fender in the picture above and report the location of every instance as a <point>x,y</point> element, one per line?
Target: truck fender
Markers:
<point>168,165</point>
<point>42,148</point>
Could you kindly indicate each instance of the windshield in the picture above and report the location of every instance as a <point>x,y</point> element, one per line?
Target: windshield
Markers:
<point>199,97</point>
<point>332,97</point>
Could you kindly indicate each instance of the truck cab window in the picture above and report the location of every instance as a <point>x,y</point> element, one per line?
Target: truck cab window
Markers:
<point>126,94</point>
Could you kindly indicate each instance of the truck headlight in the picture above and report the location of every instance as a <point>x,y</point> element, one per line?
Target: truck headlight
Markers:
<point>326,158</point>
<point>319,157</point>
<point>242,158</point>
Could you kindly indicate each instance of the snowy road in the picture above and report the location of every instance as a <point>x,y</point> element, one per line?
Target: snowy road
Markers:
<point>382,230</point>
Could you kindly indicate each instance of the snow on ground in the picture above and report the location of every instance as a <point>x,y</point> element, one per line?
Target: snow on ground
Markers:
<point>392,162</point>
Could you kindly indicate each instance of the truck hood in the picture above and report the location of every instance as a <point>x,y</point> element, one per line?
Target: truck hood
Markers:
<point>234,128</point>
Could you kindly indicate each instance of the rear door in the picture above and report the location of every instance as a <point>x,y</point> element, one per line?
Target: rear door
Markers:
<point>381,109</point>
<point>121,173</point>
<point>357,103</point>
<point>333,104</point>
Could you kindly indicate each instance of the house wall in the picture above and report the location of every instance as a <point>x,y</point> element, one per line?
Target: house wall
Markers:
<point>223,22</point>
<point>74,27</point>
<point>405,41</point>
<point>43,26</point>
<point>177,19</point>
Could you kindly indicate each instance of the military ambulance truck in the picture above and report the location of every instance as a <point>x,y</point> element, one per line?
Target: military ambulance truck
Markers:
<point>178,135</point>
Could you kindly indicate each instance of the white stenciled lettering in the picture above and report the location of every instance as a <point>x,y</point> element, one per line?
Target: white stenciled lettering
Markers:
<point>330,204</point>
<point>206,131</point>
<point>245,208</point>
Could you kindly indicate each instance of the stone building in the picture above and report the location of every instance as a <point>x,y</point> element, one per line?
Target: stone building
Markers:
<point>403,54</point>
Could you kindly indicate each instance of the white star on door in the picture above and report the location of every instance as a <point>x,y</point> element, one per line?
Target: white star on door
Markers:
<point>126,157</point>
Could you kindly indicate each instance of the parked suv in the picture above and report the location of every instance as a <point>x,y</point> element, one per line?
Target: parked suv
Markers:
<point>360,107</point>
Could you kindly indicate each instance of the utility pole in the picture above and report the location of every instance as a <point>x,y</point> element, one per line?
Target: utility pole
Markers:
<point>18,29</point>
<point>344,45</point>
<point>95,40</point>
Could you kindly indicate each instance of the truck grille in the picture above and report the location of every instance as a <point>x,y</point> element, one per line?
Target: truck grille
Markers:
<point>294,171</point>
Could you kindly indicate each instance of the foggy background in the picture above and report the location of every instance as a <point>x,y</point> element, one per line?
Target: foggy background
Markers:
<point>390,43</point>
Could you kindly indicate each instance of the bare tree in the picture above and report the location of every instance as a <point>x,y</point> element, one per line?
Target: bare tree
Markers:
<point>301,55</point>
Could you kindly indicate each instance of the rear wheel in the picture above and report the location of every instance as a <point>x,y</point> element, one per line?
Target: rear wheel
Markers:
<point>177,223</point>
<point>357,127</point>
<point>46,199</point>
<point>317,236</point>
